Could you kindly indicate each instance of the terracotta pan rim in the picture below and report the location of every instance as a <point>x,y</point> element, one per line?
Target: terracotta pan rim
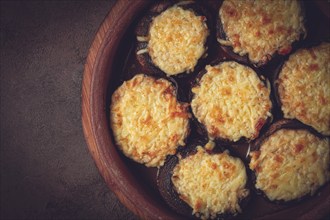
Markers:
<point>96,127</point>
<point>94,109</point>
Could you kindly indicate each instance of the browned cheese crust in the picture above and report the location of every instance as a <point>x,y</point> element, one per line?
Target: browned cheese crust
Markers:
<point>260,28</point>
<point>304,87</point>
<point>148,122</point>
<point>290,164</point>
<point>176,40</point>
<point>231,101</point>
<point>211,184</point>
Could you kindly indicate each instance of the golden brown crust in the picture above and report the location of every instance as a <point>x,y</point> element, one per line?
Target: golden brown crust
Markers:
<point>231,101</point>
<point>211,184</point>
<point>260,29</point>
<point>206,182</point>
<point>290,163</point>
<point>147,120</point>
<point>303,87</point>
<point>175,39</point>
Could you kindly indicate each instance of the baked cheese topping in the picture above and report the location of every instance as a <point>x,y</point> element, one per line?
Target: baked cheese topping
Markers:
<point>148,122</point>
<point>304,87</point>
<point>176,40</point>
<point>211,183</point>
<point>231,101</point>
<point>259,28</point>
<point>291,164</point>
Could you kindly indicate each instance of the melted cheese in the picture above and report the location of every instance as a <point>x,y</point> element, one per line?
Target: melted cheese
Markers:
<point>231,101</point>
<point>291,164</point>
<point>176,40</point>
<point>304,87</point>
<point>259,28</point>
<point>211,184</point>
<point>148,122</point>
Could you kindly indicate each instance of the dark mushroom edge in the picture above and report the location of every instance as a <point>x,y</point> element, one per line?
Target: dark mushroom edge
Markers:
<point>171,196</point>
<point>180,100</point>
<point>255,146</point>
<point>242,140</point>
<point>276,57</point>
<point>274,78</point>
<point>143,26</point>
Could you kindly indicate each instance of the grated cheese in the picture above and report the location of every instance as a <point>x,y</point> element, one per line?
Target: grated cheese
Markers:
<point>176,40</point>
<point>148,122</point>
<point>304,87</point>
<point>231,101</point>
<point>291,164</point>
<point>211,184</point>
<point>260,28</point>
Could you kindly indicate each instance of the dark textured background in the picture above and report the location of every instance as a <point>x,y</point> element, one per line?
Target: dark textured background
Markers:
<point>46,170</point>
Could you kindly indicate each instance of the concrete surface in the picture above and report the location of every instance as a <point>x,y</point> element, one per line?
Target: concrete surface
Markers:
<point>46,170</point>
